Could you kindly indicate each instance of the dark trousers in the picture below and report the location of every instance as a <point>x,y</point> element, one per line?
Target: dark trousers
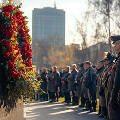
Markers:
<point>51,96</point>
<point>83,100</point>
<point>67,97</point>
<point>75,99</point>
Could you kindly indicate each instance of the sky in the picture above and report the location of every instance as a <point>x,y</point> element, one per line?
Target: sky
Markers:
<point>73,8</point>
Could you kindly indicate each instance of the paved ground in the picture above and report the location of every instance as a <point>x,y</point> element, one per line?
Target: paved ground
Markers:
<point>56,111</point>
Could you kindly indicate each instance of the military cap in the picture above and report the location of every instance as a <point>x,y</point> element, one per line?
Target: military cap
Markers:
<point>115,38</point>
<point>109,57</point>
<point>80,64</point>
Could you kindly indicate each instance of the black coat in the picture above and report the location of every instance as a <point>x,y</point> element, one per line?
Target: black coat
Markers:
<point>71,78</point>
<point>114,103</point>
<point>65,82</point>
<point>90,82</point>
<point>44,81</point>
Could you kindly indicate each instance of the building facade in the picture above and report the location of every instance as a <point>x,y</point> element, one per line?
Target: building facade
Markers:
<point>48,26</point>
<point>48,30</point>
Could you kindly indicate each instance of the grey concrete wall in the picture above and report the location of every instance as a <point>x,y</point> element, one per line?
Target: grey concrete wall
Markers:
<point>15,114</point>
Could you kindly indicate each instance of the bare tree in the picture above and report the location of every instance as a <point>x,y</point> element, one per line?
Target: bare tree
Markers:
<point>108,13</point>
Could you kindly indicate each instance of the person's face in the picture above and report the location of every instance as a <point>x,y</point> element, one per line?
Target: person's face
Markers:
<point>100,65</point>
<point>117,47</point>
<point>106,62</point>
<point>80,68</point>
<point>54,69</point>
<point>86,66</point>
<point>66,69</point>
<point>50,69</point>
<point>44,70</point>
<point>73,67</point>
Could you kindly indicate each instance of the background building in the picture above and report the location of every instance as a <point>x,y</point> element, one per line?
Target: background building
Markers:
<point>48,30</point>
<point>48,25</point>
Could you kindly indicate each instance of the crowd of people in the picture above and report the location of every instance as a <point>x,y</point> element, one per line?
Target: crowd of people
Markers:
<point>85,84</point>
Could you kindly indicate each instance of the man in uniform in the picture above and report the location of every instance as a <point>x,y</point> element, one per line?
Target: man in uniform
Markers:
<point>100,68</point>
<point>65,85</point>
<point>71,79</point>
<point>108,62</point>
<point>90,83</point>
<point>78,82</point>
<point>114,102</point>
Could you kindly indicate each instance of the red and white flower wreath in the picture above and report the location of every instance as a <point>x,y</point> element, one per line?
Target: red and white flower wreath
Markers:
<point>15,41</point>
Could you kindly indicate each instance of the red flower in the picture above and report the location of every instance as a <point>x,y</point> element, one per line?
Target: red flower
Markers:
<point>9,47</point>
<point>4,43</point>
<point>11,65</point>
<point>7,14</point>
<point>23,69</point>
<point>18,14</point>
<point>8,8</point>
<point>26,40</point>
<point>9,34</point>
<point>7,55</point>
<point>15,74</point>
<point>13,58</point>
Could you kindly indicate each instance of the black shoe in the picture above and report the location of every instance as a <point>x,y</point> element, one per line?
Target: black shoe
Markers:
<point>101,115</point>
<point>86,109</point>
<point>81,106</point>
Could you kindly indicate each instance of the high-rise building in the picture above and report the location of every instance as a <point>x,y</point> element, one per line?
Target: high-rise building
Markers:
<point>48,26</point>
<point>48,31</point>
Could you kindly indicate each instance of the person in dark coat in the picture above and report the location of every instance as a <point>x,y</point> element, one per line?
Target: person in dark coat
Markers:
<point>90,83</point>
<point>65,85</point>
<point>62,73</point>
<point>57,82</point>
<point>78,81</point>
<point>44,84</point>
<point>51,85</point>
<point>114,103</point>
<point>100,69</point>
<point>72,83</point>
<point>108,62</point>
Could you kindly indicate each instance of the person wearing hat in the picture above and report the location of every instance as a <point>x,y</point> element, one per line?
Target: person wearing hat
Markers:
<point>99,69</point>
<point>78,81</point>
<point>114,102</point>
<point>108,63</point>
<point>90,79</point>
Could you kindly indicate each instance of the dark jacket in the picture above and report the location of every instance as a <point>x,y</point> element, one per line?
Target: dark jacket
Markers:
<point>56,78</point>
<point>90,82</point>
<point>65,82</point>
<point>71,78</point>
<point>114,103</point>
<point>90,78</point>
<point>116,85</point>
<point>79,76</point>
<point>51,82</point>
<point>44,81</point>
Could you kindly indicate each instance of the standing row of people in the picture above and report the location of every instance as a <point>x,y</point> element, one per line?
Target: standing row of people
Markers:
<point>82,84</point>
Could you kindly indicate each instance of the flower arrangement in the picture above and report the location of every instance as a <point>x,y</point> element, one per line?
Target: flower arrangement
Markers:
<point>15,55</point>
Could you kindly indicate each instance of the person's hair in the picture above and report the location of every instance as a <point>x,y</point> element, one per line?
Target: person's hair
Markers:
<point>74,65</point>
<point>55,67</point>
<point>88,63</point>
<point>68,67</point>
